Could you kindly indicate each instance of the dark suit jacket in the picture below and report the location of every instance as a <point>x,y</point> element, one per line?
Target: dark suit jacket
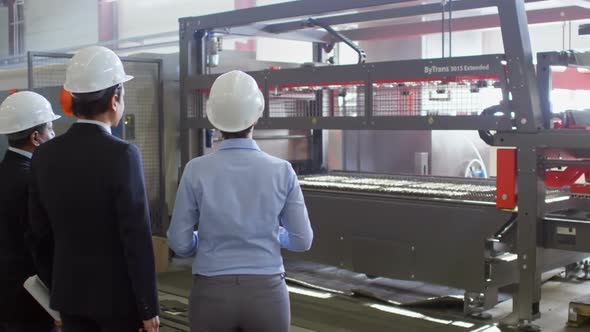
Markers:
<point>16,261</point>
<point>87,188</point>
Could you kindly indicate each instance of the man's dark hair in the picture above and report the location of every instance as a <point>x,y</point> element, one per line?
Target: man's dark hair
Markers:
<point>240,134</point>
<point>89,105</point>
<point>21,139</point>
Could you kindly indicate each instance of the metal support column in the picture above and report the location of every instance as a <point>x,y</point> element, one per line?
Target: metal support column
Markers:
<point>30,76</point>
<point>200,38</point>
<point>521,71</point>
<point>544,77</point>
<point>185,45</point>
<point>530,179</point>
<point>526,104</point>
<point>162,146</point>
<point>192,61</point>
<point>317,138</point>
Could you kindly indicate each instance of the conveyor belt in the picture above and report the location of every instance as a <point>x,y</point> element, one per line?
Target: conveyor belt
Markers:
<point>399,185</point>
<point>407,186</point>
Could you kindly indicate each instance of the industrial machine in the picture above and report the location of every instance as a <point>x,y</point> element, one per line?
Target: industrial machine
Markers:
<point>484,236</point>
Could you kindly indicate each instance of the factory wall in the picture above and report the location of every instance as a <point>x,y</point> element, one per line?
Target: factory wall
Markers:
<point>4,47</point>
<point>59,24</point>
<point>145,17</point>
<point>466,43</point>
<point>13,78</point>
<point>63,24</point>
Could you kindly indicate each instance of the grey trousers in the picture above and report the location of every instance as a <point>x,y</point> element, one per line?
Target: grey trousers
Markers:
<point>246,303</point>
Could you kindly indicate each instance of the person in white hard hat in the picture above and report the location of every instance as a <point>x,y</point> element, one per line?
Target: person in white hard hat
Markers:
<point>247,206</point>
<point>26,119</point>
<point>87,189</point>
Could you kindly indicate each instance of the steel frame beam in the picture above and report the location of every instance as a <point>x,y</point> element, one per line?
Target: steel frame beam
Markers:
<point>376,123</point>
<point>526,105</point>
<point>571,13</point>
<point>316,151</point>
<point>382,15</point>
<point>407,70</point>
<point>279,11</point>
<point>300,30</point>
<point>255,30</point>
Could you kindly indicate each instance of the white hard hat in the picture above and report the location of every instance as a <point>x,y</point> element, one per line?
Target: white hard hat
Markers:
<point>24,110</point>
<point>235,102</point>
<point>93,69</point>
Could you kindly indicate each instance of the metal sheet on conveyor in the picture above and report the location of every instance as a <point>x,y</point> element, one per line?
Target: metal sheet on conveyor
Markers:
<point>408,186</point>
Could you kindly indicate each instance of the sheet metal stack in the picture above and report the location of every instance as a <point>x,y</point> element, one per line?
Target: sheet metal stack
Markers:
<point>406,186</point>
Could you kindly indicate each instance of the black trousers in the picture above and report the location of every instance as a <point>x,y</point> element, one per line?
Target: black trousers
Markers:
<point>72,323</point>
<point>245,303</point>
<point>25,327</point>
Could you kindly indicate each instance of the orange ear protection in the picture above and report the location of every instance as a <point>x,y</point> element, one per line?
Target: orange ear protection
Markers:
<point>65,100</point>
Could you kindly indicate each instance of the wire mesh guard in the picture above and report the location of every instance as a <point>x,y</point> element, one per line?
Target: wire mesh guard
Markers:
<point>49,71</point>
<point>48,75</point>
<point>141,95</point>
<point>459,96</point>
<point>420,98</point>
<point>331,101</point>
<point>426,98</point>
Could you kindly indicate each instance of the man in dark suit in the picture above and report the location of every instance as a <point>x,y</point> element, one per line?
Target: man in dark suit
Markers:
<point>26,118</point>
<point>87,190</point>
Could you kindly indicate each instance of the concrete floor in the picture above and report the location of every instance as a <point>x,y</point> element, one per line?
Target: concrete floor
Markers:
<point>554,311</point>
<point>556,296</point>
<point>345,314</point>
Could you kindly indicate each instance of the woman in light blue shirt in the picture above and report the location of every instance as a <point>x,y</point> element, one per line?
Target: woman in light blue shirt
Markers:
<point>247,205</point>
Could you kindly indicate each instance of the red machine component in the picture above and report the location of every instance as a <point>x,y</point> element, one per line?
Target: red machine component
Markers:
<point>506,194</point>
<point>564,177</point>
<point>570,176</point>
<point>581,189</point>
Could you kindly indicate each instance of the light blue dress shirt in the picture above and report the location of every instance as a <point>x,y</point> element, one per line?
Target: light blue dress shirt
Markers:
<point>247,205</point>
